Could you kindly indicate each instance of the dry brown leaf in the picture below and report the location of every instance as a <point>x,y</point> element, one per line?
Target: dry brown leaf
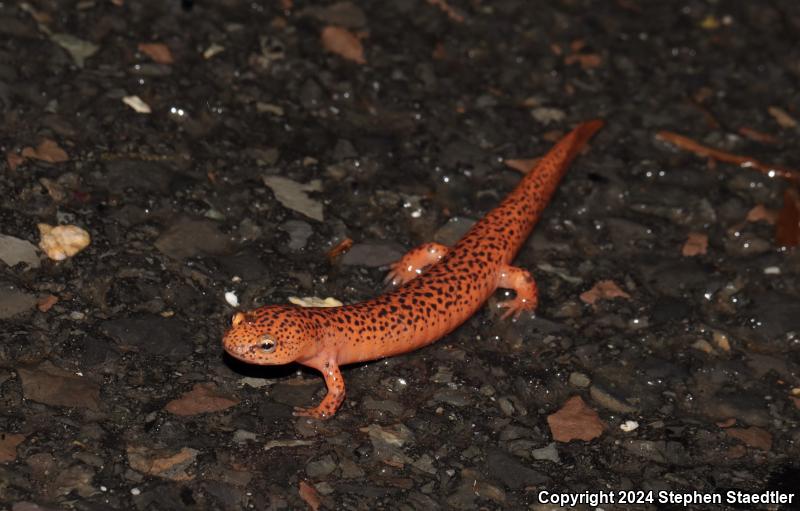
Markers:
<point>522,165</point>
<point>787,227</point>
<point>696,244</point>
<point>14,160</point>
<point>760,213</point>
<point>796,401</point>
<point>46,302</point>
<point>48,150</point>
<point>575,421</point>
<point>603,290</point>
<point>309,495</point>
<point>159,52</point>
<point>340,248</point>
<point>782,117</point>
<point>343,43</point>
<point>752,436</point>
<point>8,446</point>
<point>162,463</point>
<point>203,398</point>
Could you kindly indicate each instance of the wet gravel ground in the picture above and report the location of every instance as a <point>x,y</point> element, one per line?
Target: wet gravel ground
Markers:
<point>263,150</point>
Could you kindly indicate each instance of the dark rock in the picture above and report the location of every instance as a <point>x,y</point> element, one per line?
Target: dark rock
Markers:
<point>670,310</point>
<point>453,230</point>
<point>13,301</point>
<point>190,238</point>
<point>372,255</point>
<point>141,176</point>
<point>296,395</point>
<point>771,317</point>
<point>320,467</point>
<point>511,472</point>
<point>298,232</point>
<point>674,278</point>
<point>245,264</point>
<point>746,407</point>
<point>151,335</point>
<point>11,27</point>
<point>627,236</point>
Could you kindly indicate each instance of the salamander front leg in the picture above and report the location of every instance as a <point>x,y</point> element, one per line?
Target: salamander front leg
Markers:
<point>414,262</point>
<point>523,284</point>
<point>334,397</point>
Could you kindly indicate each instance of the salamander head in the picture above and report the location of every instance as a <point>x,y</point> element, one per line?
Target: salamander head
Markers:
<point>271,335</point>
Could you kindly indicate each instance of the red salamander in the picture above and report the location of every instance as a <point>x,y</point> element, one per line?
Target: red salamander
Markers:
<point>439,287</point>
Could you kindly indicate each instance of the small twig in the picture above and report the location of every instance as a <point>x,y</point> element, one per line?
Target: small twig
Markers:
<point>690,145</point>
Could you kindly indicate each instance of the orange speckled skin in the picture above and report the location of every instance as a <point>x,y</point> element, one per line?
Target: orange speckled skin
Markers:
<point>426,306</point>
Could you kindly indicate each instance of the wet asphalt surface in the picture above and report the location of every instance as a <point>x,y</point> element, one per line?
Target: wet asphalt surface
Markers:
<point>114,391</point>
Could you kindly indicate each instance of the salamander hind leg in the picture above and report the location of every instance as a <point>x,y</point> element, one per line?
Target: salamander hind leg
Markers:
<point>414,262</point>
<point>522,283</point>
<point>332,400</point>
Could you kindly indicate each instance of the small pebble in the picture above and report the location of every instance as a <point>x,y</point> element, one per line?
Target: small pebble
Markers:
<point>548,453</point>
<point>62,241</point>
<point>628,426</point>
<point>231,298</point>
<point>579,380</point>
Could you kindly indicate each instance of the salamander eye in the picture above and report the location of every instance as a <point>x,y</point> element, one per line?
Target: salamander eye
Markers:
<point>267,344</point>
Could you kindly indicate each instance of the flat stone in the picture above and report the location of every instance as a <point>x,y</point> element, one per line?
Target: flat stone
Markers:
<point>298,232</point>
<point>294,195</point>
<point>77,479</point>
<point>579,380</point>
<point>548,452</point>
<point>320,467</point>
<point>14,250</point>
<point>51,385</point>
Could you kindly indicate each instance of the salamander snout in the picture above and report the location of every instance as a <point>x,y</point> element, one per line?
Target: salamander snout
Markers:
<point>270,335</point>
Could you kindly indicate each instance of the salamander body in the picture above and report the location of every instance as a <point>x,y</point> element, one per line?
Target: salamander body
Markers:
<point>437,289</point>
